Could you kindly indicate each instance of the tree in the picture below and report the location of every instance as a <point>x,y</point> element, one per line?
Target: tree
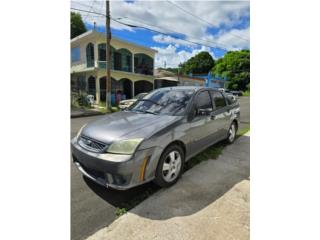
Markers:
<point>77,25</point>
<point>235,65</point>
<point>201,63</point>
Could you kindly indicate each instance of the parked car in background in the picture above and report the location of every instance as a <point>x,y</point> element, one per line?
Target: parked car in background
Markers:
<point>155,136</point>
<point>128,102</point>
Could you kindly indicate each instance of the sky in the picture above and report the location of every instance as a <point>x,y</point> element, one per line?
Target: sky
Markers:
<point>182,28</point>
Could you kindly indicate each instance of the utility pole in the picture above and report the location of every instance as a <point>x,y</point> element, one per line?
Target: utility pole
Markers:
<point>108,58</point>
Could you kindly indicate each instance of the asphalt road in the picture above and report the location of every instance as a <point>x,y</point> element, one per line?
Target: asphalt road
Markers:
<point>94,207</point>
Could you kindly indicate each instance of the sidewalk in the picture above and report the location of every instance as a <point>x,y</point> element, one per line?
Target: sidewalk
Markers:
<point>210,201</point>
<point>79,112</point>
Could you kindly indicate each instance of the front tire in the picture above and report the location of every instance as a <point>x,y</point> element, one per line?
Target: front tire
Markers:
<point>232,133</point>
<point>170,166</point>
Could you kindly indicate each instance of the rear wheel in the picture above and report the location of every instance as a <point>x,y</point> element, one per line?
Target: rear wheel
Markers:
<point>170,166</point>
<point>232,133</point>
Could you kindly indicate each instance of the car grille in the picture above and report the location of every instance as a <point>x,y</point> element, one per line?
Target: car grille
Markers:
<point>92,144</point>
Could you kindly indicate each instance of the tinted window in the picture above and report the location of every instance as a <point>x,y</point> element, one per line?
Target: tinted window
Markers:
<point>218,99</point>
<point>204,101</point>
<point>164,101</point>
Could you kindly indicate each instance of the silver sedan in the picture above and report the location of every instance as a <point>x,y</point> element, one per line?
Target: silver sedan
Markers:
<point>153,138</point>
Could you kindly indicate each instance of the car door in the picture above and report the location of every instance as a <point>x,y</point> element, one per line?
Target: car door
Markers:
<point>221,114</point>
<point>200,126</point>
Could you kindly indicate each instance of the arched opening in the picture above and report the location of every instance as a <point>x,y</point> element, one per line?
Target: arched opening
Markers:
<point>102,56</point>
<point>123,60</point>
<point>142,86</point>
<point>143,64</point>
<point>126,88</point>
<point>103,90</point>
<point>92,86</point>
<point>90,55</point>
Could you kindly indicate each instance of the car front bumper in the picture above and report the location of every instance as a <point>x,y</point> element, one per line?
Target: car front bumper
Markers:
<point>115,170</point>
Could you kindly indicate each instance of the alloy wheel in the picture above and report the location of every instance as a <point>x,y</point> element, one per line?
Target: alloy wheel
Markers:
<point>232,133</point>
<point>171,166</point>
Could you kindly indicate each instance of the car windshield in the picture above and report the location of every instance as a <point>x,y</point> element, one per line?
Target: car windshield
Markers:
<point>140,95</point>
<point>164,101</point>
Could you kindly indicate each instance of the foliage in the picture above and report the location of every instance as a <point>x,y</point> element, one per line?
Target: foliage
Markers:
<point>243,131</point>
<point>77,25</point>
<point>246,93</point>
<point>79,100</point>
<point>235,65</point>
<point>210,153</point>
<point>201,63</point>
<point>120,211</point>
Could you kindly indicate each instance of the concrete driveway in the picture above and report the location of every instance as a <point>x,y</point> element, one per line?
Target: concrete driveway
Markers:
<point>94,207</point>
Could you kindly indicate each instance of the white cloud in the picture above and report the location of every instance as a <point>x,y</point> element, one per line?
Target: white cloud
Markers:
<point>160,38</point>
<point>168,17</point>
<point>170,57</point>
<point>232,40</point>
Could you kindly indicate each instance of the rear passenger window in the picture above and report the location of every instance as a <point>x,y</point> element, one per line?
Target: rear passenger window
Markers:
<point>204,100</point>
<point>218,99</point>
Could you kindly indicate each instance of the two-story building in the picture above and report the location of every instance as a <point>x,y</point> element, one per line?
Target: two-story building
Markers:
<point>132,67</point>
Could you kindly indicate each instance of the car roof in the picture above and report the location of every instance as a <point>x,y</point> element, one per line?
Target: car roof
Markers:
<point>195,88</point>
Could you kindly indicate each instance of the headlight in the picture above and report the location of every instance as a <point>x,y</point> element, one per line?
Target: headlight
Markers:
<point>79,132</point>
<point>127,146</point>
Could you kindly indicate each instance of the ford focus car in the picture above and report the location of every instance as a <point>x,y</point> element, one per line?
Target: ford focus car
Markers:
<point>154,137</point>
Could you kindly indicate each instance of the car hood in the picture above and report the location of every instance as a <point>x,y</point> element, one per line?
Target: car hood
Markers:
<point>124,125</point>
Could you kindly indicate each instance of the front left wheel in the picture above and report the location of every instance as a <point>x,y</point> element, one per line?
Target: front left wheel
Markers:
<point>232,133</point>
<point>170,166</point>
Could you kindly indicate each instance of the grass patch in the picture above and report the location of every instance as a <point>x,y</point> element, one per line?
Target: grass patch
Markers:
<point>246,93</point>
<point>210,153</point>
<point>102,108</point>
<point>242,131</point>
<point>121,211</point>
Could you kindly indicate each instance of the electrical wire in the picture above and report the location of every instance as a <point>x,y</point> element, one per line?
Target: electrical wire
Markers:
<point>201,19</point>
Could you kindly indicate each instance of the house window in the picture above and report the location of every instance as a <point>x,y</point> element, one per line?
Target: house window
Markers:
<point>75,54</point>
<point>90,55</point>
<point>143,64</point>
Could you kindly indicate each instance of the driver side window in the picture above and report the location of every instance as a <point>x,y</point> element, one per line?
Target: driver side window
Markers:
<point>203,104</point>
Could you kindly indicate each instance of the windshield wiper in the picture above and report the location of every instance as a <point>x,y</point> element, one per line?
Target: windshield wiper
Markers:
<point>145,111</point>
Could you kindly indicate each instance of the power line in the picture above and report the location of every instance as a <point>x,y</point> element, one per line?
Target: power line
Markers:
<point>201,44</point>
<point>201,19</point>
<point>86,17</point>
<point>217,44</point>
<point>159,32</point>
